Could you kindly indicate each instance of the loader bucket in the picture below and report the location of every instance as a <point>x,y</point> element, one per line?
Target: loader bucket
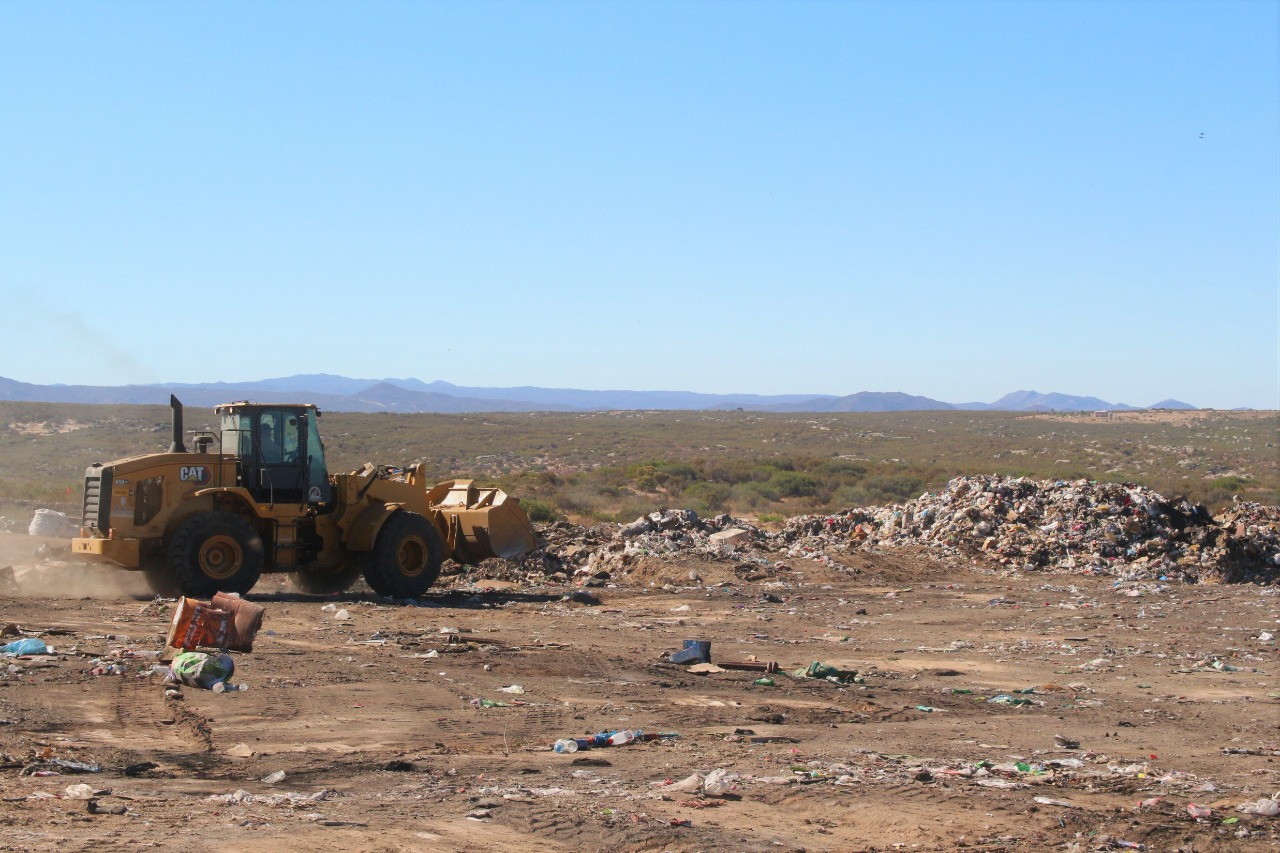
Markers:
<point>481,522</point>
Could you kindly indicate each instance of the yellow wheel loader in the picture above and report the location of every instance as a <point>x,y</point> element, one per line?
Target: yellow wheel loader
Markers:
<point>256,497</point>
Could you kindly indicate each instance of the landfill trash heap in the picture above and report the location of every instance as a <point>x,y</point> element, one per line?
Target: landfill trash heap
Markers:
<point>1111,529</point>
<point>600,551</point>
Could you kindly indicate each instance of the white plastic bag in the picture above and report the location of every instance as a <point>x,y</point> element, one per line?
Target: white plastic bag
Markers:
<point>718,783</point>
<point>48,522</point>
<point>688,785</point>
<point>1264,807</point>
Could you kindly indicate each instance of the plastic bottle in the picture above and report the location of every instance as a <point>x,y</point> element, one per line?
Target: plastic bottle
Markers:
<point>565,745</point>
<point>622,737</point>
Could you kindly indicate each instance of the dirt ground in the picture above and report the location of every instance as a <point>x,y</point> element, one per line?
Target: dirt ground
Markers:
<point>373,719</point>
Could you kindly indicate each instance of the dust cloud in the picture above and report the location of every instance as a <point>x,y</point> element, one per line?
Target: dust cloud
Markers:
<point>42,567</point>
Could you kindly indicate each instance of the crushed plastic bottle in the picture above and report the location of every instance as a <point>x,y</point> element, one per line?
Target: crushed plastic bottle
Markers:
<point>565,745</point>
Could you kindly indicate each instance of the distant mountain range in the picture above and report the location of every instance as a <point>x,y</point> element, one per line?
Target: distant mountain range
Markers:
<point>343,394</point>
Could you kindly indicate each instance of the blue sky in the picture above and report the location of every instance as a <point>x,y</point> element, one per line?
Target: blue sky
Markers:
<point>949,199</point>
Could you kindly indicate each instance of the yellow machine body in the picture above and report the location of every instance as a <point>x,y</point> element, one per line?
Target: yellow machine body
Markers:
<point>244,503</point>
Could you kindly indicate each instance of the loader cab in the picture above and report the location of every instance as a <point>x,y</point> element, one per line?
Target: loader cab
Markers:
<point>279,449</point>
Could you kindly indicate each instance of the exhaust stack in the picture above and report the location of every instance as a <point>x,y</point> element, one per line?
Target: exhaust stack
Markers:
<point>177,446</point>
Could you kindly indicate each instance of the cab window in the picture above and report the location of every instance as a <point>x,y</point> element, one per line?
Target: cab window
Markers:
<point>317,474</point>
<point>278,436</point>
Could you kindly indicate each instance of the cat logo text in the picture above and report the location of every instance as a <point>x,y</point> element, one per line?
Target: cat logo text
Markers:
<point>198,474</point>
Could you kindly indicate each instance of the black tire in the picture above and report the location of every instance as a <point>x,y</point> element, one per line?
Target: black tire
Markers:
<point>325,583</point>
<point>406,558</point>
<point>156,574</point>
<point>160,581</point>
<point>215,552</point>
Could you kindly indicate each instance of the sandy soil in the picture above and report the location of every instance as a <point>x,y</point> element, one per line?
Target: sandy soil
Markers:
<point>382,748</point>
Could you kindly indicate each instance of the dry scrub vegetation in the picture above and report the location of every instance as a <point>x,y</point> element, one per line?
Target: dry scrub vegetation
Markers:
<point>616,465</point>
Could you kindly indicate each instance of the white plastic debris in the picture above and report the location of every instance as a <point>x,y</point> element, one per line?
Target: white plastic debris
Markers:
<point>718,782</point>
<point>688,785</point>
<point>1265,807</point>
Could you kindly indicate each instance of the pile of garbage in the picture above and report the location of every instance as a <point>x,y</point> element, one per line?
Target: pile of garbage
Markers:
<point>602,551</point>
<point>1113,529</point>
<point>1117,530</point>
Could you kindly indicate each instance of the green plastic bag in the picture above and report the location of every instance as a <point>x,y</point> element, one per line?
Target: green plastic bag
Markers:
<point>817,669</point>
<point>202,670</point>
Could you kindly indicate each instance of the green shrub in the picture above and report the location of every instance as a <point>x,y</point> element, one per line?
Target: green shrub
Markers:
<point>576,500</point>
<point>842,468</point>
<point>539,510</point>
<point>764,490</point>
<point>885,489</point>
<point>793,484</point>
<point>1230,483</point>
<point>630,510</point>
<point>848,497</point>
<point>712,496</point>
<point>747,496</point>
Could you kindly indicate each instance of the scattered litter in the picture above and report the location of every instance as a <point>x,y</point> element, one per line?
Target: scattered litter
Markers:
<point>1266,807</point>
<point>80,791</point>
<point>705,668</point>
<point>694,651</point>
<point>1049,801</point>
<point>750,665</point>
<point>226,622</point>
<point>53,524</point>
<point>715,783</point>
<point>94,807</point>
<point>203,670</point>
<point>25,646</point>
<point>817,669</point>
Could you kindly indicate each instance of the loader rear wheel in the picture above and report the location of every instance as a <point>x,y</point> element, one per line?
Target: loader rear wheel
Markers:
<point>325,583</point>
<point>215,552</point>
<point>405,560</point>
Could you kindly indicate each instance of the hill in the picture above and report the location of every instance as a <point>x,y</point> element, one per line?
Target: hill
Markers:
<point>345,394</point>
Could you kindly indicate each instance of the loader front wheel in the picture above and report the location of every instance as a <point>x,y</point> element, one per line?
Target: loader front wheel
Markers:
<point>215,552</point>
<point>325,583</point>
<point>405,560</point>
